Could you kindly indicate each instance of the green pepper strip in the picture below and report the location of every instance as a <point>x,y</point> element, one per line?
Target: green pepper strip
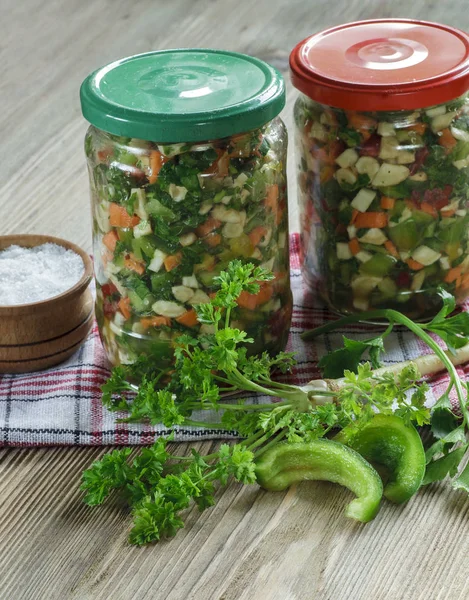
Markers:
<point>386,440</point>
<point>284,464</point>
<point>393,316</point>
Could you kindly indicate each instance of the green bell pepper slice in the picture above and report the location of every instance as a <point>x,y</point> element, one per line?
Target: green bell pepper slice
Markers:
<point>144,246</point>
<point>401,190</point>
<point>125,237</point>
<point>386,440</point>
<point>422,218</point>
<point>405,235</point>
<point>454,233</point>
<point>379,265</point>
<point>284,464</point>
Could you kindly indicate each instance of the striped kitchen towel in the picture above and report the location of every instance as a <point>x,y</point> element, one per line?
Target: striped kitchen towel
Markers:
<point>62,406</point>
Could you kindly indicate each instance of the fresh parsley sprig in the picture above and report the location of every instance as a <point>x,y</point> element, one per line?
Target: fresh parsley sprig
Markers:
<point>449,448</point>
<point>160,486</point>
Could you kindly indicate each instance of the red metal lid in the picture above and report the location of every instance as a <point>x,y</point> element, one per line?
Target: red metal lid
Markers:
<point>384,64</point>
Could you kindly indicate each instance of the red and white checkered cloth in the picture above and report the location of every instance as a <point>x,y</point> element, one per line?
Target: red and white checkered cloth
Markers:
<point>62,406</point>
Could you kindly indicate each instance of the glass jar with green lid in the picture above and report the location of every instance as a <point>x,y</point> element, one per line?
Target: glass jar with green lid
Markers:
<point>186,156</point>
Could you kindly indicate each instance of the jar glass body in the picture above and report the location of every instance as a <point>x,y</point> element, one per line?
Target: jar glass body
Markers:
<point>384,205</point>
<point>168,218</point>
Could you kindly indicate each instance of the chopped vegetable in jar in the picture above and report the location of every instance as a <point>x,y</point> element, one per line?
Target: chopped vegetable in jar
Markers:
<point>169,218</point>
<point>384,204</point>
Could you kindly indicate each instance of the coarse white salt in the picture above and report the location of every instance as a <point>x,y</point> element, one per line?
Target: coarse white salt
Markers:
<point>33,274</point>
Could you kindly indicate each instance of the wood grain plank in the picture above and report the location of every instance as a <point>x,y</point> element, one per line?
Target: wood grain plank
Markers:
<point>251,545</point>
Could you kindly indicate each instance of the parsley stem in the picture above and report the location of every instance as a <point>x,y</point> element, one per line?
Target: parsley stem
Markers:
<point>225,380</point>
<point>269,406</point>
<point>393,316</point>
<point>364,316</point>
<point>296,396</point>
<point>259,441</point>
<point>252,386</point>
<point>248,441</point>
<point>273,441</point>
<point>423,335</point>
<point>227,317</point>
<point>205,424</point>
<point>279,385</point>
<point>388,330</point>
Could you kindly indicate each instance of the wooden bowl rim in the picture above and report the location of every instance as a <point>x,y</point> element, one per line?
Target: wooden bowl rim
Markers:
<point>30,240</point>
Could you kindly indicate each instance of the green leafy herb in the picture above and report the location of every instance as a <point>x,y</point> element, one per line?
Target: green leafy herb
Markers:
<point>160,486</point>
<point>362,181</point>
<point>351,137</point>
<point>348,358</point>
<point>449,447</point>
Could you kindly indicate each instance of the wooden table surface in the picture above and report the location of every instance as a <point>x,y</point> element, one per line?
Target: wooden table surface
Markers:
<point>251,545</point>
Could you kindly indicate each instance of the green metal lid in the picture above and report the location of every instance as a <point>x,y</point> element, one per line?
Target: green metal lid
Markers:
<point>184,95</point>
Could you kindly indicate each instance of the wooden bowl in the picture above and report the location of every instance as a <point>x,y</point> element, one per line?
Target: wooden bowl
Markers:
<point>42,334</point>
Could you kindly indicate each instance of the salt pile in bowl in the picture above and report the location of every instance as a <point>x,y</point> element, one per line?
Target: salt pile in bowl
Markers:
<point>34,274</point>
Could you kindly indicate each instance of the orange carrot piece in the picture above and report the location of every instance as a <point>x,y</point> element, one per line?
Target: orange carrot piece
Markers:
<point>110,240</point>
<point>464,283</point>
<point>410,203</point>
<point>355,214</point>
<point>257,234</point>
<point>124,307</point>
<point>387,203</point>
<point>132,263</point>
<point>377,220</point>
<point>447,140</point>
<point>419,128</point>
<point>453,274</point>
<point>414,264</point>
<point>280,213</point>
<point>271,200</point>
<point>119,217</point>
<point>220,165</point>
<point>448,213</point>
<point>354,246</point>
<point>223,165</point>
<point>104,154</point>
<point>265,293</point>
<point>157,160</point>
<point>212,239</point>
<point>189,318</point>
<point>326,173</point>
<point>155,321</point>
<point>247,300</point>
<point>391,248</point>
<point>360,122</point>
<point>210,225</point>
<point>172,261</point>
<point>429,209</point>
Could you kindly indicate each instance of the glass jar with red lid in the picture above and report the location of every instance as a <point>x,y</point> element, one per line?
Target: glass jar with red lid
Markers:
<point>382,134</point>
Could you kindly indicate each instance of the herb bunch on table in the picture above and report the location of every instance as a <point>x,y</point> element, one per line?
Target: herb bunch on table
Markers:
<point>291,438</point>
